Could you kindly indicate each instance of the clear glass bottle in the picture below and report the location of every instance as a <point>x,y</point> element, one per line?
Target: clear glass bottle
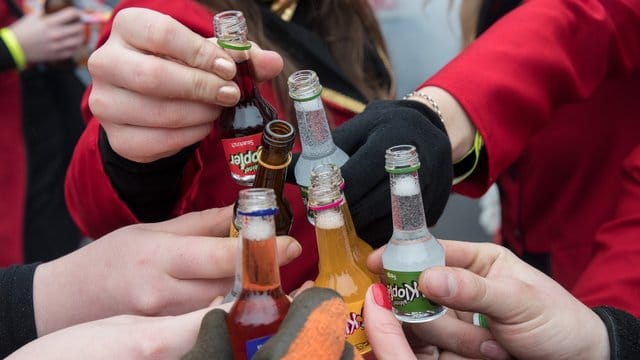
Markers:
<point>273,159</point>
<point>330,174</point>
<point>337,268</point>
<point>262,304</point>
<point>315,136</point>
<point>241,126</point>
<point>411,248</point>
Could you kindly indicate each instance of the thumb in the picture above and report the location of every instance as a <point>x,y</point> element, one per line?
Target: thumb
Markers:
<point>463,290</point>
<point>384,331</point>
<point>211,222</point>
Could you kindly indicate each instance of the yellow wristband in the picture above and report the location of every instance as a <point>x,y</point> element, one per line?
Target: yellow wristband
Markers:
<point>14,48</point>
<point>468,163</point>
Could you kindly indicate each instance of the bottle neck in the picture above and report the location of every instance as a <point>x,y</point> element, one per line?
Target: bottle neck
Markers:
<point>272,173</point>
<point>245,80</point>
<point>315,134</point>
<point>409,221</point>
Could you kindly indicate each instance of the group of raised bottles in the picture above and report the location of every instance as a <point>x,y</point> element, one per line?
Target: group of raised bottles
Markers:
<point>258,147</point>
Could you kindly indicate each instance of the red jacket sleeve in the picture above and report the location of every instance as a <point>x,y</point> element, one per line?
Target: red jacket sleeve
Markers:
<point>543,54</point>
<point>92,201</point>
<point>610,272</point>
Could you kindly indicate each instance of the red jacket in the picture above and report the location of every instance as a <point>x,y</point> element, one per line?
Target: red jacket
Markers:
<point>553,88</point>
<point>12,160</point>
<point>97,210</point>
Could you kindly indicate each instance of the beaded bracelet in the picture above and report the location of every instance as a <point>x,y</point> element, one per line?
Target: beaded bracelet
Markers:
<point>431,101</point>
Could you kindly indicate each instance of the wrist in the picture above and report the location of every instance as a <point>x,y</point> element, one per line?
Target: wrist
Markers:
<point>460,129</point>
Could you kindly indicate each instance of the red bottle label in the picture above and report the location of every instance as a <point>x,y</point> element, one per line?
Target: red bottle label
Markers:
<point>242,154</point>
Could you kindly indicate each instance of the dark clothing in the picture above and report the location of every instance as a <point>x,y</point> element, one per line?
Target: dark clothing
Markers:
<point>624,332</point>
<point>41,122</point>
<point>17,321</point>
<point>52,123</point>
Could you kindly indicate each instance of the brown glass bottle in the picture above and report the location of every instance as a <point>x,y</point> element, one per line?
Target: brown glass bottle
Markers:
<point>51,6</point>
<point>262,304</point>
<point>274,157</point>
<point>241,126</point>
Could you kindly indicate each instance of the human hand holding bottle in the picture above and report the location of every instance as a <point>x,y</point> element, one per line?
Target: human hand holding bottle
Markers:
<point>530,316</point>
<point>181,79</point>
<point>49,37</point>
<point>366,137</point>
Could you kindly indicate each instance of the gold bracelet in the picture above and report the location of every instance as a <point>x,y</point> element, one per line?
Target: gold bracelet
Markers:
<point>14,48</point>
<point>431,101</point>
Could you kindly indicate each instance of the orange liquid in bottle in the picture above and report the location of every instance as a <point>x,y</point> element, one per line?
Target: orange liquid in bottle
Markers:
<point>262,304</point>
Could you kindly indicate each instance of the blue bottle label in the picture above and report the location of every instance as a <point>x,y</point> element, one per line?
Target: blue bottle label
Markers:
<point>253,345</point>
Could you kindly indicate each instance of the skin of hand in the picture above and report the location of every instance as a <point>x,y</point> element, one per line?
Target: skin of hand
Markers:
<point>459,127</point>
<point>530,316</point>
<point>180,79</point>
<point>49,37</point>
<point>120,337</point>
<point>155,269</point>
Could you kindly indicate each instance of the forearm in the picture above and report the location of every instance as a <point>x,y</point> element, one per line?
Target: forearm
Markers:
<point>17,323</point>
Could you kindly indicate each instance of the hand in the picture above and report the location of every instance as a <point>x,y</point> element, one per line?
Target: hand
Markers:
<point>165,268</point>
<point>309,330</point>
<point>158,86</point>
<point>121,337</point>
<point>530,316</point>
<point>366,138</point>
<point>49,37</point>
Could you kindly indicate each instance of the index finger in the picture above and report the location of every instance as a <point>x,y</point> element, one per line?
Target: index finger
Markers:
<point>210,222</point>
<point>476,257</point>
<point>163,35</point>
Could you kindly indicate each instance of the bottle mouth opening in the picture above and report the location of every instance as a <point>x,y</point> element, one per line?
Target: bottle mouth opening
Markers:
<point>231,30</point>
<point>279,132</point>
<point>304,85</point>
<point>401,159</point>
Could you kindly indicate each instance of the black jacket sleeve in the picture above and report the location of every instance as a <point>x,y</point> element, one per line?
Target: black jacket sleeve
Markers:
<point>149,190</point>
<point>623,330</point>
<point>17,320</point>
<point>6,60</point>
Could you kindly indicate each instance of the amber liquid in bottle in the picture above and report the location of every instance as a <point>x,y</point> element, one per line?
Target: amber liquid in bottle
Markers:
<point>330,174</point>
<point>337,268</point>
<point>262,304</point>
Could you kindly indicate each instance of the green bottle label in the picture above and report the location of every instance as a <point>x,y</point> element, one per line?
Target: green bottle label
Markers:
<point>405,296</point>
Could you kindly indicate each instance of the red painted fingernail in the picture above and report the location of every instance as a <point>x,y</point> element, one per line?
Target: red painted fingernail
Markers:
<point>380,295</point>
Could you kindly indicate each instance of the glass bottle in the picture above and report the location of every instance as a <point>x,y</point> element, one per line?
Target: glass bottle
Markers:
<point>51,6</point>
<point>241,126</point>
<point>337,268</point>
<point>315,136</point>
<point>273,158</point>
<point>262,304</point>
<point>330,173</point>
<point>411,248</point>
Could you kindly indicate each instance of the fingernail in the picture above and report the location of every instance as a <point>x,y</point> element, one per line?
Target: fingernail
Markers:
<point>380,295</point>
<point>440,283</point>
<point>294,250</point>
<point>225,67</point>
<point>492,350</point>
<point>228,94</point>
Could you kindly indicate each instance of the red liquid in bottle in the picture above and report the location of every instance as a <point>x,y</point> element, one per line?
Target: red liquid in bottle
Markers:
<point>241,126</point>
